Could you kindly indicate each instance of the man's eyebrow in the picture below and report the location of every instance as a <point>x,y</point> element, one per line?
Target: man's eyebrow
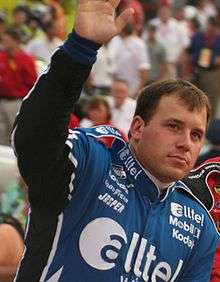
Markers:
<point>175,120</point>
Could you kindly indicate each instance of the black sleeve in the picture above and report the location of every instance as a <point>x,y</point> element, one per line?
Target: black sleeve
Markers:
<point>41,129</point>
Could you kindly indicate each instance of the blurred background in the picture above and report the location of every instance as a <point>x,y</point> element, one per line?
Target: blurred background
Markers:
<point>166,39</point>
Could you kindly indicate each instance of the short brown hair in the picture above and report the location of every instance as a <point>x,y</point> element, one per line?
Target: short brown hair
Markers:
<point>150,96</point>
<point>95,102</point>
<point>13,33</point>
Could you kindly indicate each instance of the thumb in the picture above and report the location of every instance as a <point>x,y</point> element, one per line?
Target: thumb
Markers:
<point>123,19</point>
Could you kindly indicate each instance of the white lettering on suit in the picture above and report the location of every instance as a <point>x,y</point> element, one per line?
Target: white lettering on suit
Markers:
<point>106,240</point>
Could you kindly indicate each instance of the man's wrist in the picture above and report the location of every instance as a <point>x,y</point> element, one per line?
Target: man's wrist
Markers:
<point>80,49</point>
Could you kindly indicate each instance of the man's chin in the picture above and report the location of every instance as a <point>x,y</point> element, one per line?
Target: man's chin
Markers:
<point>176,174</point>
<point>179,174</point>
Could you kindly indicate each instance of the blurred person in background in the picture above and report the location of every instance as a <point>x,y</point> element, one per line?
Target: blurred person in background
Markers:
<point>217,4</point>
<point>179,14</point>
<point>157,54</point>
<point>17,76</point>
<point>2,27</point>
<point>103,72</point>
<point>204,51</point>
<point>42,12</point>
<point>34,25</point>
<point>58,16</point>
<point>20,17</point>
<point>121,105</point>
<point>213,138</point>
<point>97,112</point>
<point>202,10</point>
<point>131,59</point>
<point>172,37</point>
<point>11,246</point>
<point>43,48</point>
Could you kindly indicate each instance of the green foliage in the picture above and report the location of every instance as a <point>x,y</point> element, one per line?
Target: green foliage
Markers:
<point>69,7</point>
<point>7,6</point>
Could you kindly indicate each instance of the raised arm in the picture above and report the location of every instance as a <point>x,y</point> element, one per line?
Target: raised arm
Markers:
<point>41,127</point>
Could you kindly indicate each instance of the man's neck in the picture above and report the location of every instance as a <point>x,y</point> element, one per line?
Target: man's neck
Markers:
<point>160,185</point>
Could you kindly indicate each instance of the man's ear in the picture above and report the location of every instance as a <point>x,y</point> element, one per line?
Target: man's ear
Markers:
<point>137,126</point>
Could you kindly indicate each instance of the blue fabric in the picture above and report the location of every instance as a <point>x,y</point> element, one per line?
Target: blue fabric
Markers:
<point>198,43</point>
<point>116,228</point>
<point>80,49</point>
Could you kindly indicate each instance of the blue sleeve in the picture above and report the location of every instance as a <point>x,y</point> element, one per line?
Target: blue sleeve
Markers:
<point>80,49</point>
<point>202,260</point>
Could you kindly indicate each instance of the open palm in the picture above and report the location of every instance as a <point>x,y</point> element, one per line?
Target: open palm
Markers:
<point>95,19</point>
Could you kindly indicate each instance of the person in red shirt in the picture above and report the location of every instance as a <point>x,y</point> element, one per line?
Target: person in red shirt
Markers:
<point>17,76</point>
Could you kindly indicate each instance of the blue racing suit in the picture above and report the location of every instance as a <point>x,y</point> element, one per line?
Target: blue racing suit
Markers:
<point>95,214</point>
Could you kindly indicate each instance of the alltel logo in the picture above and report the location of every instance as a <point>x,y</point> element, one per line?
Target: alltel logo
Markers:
<point>187,212</point>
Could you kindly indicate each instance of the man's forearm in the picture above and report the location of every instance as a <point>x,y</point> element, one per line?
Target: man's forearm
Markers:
<point>41,127</point>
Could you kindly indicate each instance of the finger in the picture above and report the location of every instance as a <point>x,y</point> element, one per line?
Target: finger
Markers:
<point>124,18</point>
<point>114,3</point>
<point>87,1</point>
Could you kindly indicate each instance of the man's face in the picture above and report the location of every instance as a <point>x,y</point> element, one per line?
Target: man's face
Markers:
<point>164,14</point>
<point>19,17</point>
<point>98,115</point>
<point>211,29</point>
<point>8,42</point>
<point>169,144</point>
<point>119,92</point>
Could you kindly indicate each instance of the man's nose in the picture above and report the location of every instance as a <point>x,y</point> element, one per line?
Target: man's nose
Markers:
<point>185,141</point>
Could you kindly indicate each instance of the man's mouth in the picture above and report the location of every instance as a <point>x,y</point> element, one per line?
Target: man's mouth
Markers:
<point>180,159</point>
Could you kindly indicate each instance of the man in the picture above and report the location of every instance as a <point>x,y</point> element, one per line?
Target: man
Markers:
<point>131,59</point>
<point>204,52</point>
<point>213,142</point>
<point>157,54</point>
<point>101,76</point>
<point>20,17</point>
<point>97,112</point>
<point>114,212</point>
<point>171,36</point>
<point>122,106</point>
<point>43,48</point>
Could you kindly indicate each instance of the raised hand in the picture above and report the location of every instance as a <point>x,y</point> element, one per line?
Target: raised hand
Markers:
<point>95,19</point>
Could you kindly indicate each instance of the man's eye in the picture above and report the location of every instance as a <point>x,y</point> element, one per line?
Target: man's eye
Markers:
<point>173,126</point>
<point>196,136</point>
